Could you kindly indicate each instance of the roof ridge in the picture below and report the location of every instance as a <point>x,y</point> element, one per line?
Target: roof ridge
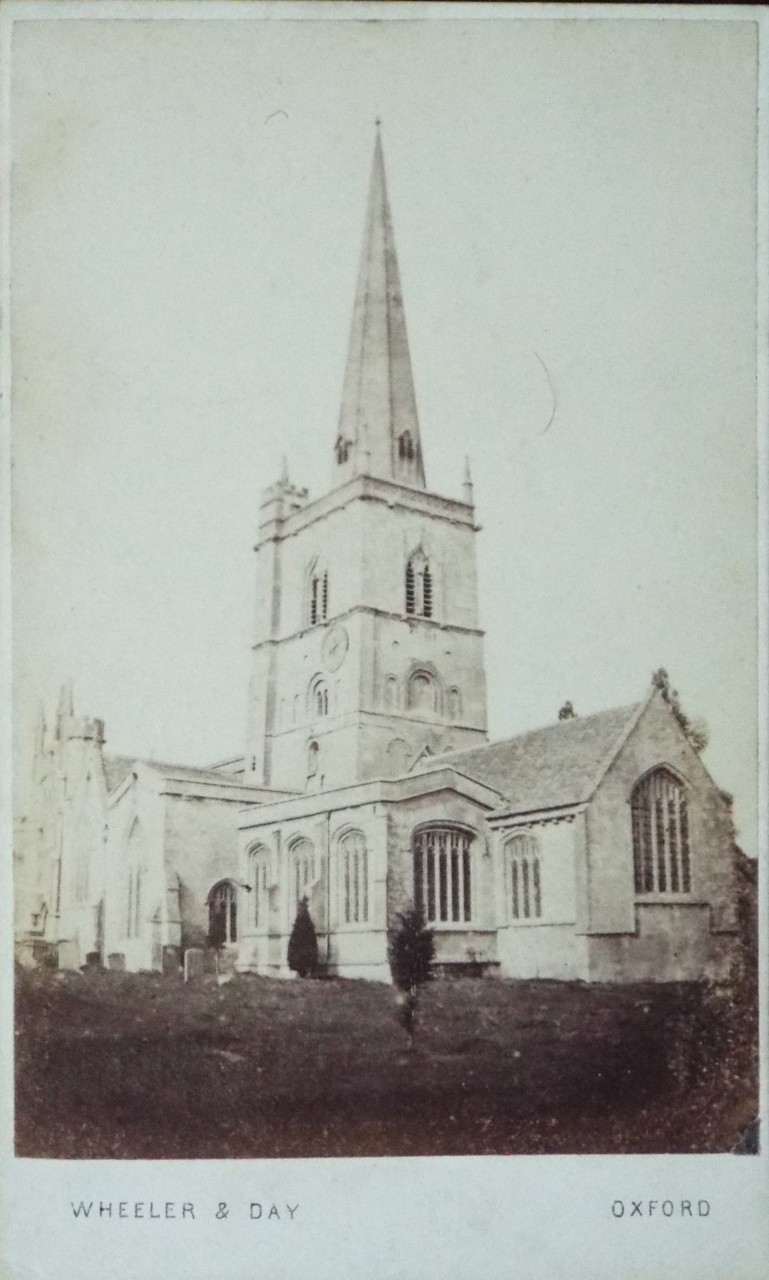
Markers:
<point>622,737</point>
<point>630,708</point>
<point>194,768</point>
<point>550,766</point>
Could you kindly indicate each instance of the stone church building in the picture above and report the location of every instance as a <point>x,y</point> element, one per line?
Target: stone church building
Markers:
<point>596,848</point>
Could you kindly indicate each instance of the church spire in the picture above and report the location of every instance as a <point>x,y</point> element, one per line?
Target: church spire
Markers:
<point>378,425</point>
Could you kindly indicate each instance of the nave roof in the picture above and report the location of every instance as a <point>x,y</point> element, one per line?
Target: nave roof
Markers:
<point>550,767</point>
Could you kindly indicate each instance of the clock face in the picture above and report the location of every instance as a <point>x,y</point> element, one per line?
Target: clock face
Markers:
<point>335,647</point>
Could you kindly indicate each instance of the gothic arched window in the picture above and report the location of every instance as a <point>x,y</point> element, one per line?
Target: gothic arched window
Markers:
<point>421,691</point>
<point>419,586</point>
<point>223,912</point>
<point>133,923</point>
<point>317,594</point>
<point>302,868</point>
<point>391,691</point>
<point>443,874</point>
<point>313,755</point>
<point>259,879</point>
<point>133,873</point>
<point>318,698</point>
<point>397,757</point>
<point>523,877</point>
<point>89,835</point>
<point>660,821</point>
<point>454,703</point>
<point>353,878</point>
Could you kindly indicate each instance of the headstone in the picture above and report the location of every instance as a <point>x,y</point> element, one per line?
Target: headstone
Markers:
<point>194,963</point>
<point>171,962</point>
<point>69,955</point>
<point>116,961</point>
<point>24,955</point>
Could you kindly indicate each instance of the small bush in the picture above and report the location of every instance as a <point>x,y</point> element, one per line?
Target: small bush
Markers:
<point>411,951</point>
<point>303,943</point>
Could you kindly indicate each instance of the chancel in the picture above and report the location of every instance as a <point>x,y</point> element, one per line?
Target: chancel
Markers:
<point>596,848</point>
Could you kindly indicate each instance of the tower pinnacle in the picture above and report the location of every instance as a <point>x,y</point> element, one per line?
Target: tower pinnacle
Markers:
<point>467,484</point>
<point>378,425</point>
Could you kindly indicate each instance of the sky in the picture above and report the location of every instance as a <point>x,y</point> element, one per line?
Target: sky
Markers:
<point>574,211</point>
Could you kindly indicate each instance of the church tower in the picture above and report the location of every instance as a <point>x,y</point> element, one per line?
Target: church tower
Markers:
<point>367,651</point>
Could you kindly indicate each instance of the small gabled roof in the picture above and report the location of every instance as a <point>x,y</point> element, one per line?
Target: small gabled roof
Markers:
<point>116,770</point>
<point>190,773</point>
<point>548,768</point>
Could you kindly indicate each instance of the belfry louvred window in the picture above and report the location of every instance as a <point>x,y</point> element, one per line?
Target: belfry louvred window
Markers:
<point>660,819</point>
<point>406,449</point>
<point>419,587</point>
<point>427,592</point>
<point>317,603</point>
<point>411,605</point>
<point>443,874</point>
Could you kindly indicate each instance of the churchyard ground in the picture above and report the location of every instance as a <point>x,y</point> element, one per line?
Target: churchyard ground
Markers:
<point>113,1065</point>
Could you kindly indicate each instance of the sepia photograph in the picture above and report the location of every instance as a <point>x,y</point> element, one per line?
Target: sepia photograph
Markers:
<point>384,470</point>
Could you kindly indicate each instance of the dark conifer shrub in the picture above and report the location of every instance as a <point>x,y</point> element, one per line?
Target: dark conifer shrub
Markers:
<point>411,951</point>
<point>303,943</point>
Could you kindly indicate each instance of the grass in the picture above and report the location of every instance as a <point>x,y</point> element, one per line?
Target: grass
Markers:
<point>114,1065</point>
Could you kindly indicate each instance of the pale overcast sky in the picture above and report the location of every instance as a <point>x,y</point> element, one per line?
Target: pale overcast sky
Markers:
<point>574,205</point>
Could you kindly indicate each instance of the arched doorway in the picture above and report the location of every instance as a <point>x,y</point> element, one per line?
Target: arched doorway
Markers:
<point>223,914</point>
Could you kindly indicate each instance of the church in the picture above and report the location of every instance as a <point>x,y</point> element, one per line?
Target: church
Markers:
<point>596,848</point>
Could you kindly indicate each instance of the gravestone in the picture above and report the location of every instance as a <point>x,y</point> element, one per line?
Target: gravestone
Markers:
<point>171,959</point>
<point>194,963</point>
<point>69,955</point>
<point>116,961</point>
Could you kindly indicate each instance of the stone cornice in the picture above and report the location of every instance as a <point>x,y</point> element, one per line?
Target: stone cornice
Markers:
<point>370,489</point>
<point>507,818</point>
<point>430,623</point>
<point>391,717</point>
<point>376,791</point>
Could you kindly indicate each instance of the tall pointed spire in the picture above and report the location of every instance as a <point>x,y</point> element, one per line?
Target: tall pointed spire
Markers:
<point>378,425</point>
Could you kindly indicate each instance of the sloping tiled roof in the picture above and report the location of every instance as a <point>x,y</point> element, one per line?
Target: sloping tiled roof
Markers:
<point>188,773</point>
<point>116,770</point>
<point>547,767</point>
